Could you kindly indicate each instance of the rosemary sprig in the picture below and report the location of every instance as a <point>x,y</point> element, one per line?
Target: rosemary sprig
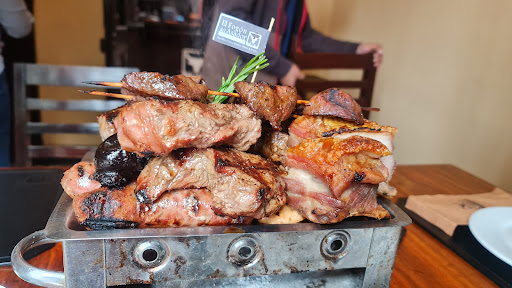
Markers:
<point>257,63</point>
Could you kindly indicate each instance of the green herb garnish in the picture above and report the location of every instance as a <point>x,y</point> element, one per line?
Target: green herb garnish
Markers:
<point>228,85</point>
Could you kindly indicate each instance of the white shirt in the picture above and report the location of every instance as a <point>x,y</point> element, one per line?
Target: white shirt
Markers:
<point>16,20</point>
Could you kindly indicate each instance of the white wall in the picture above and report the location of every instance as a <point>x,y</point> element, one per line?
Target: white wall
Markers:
<point>446,79</point>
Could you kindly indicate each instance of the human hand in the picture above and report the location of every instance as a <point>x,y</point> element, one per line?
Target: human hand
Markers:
<point>291,77</point>
<point>375,48</point>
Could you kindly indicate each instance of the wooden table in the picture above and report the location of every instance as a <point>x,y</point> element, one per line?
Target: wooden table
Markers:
<point>421,261</point>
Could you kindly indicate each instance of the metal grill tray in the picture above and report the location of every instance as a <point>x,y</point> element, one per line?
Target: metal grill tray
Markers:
<point>356,252</point>
<point>62,225</point>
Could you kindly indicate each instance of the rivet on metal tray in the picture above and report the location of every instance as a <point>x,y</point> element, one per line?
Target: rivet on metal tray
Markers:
<point>244,251</point>
<point>150,254</point>
<point>335,245</point>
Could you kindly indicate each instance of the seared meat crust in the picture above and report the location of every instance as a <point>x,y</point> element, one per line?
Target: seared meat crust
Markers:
<point>241,184</point>
<point>120,209</point>
<point>154,84</point>
<point>272,103</point>
<point>335,102</point>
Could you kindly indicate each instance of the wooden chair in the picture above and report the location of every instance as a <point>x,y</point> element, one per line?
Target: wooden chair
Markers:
<point>310,61</point>
<point>28,75</point>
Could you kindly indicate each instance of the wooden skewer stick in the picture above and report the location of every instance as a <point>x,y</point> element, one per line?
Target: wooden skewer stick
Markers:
<point>128,97</point>
<point>269,30</point>
<point>120,85</point>
<point>103,83</point>
<point>107,94</point>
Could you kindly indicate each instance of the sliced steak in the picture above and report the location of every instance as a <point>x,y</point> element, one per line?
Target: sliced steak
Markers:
<point>155,128</point>
<point>241,184</point>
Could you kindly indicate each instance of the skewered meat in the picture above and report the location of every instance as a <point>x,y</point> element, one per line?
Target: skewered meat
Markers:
<point>104,209</point>
<point>115,167</point>
<point>154,84</point>
<point>157,127</point>
<point>241,184</point>
<point>272,103</point>
<point>330,179</point>
<point>334,102</point>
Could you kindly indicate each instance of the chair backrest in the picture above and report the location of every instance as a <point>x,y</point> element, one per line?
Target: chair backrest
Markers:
<point>310,61</point>
<point>26,75</point>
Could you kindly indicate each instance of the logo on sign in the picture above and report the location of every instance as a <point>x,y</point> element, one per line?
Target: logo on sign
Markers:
<point>240,35</point>
<point>253,40</point>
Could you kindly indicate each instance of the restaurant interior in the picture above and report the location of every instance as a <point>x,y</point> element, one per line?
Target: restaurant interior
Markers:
<point>443,84</point>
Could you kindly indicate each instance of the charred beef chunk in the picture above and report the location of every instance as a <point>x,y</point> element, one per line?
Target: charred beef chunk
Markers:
<point>272,103</point>
<point>334,102</point>
<point>115,167</point>
<point>154,84</point>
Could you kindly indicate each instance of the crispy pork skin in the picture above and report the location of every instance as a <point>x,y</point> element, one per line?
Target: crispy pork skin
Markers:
<point>340,163</point>
<point>102,209</point>
<point>335,102</point>
<point>306,127</point>
<point>154,84</point>
<point>241,184</point>
<point>313,199</point>
<point>272,103</point>
<point>79,179</point>
<point>155,128</point>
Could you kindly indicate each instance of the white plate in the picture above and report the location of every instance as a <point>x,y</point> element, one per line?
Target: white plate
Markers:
<point>492,227</point>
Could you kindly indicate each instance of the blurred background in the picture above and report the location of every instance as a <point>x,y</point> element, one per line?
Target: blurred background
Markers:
<point>444,82</point>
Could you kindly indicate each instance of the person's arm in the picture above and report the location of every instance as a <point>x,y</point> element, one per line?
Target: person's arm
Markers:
<point>278,65</point>
<point>314,41</point>
<point>15,18</point>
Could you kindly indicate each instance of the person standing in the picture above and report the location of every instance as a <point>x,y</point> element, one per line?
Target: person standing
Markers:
<point>292,21</point>
<point>17,22</point>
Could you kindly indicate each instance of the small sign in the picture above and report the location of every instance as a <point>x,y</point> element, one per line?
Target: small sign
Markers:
<point>240,34</point>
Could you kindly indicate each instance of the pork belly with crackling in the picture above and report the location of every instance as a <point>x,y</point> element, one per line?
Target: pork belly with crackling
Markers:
<point>331,179</point>
<point>155,128</point>
<point>119,208</point>
<point>241,184</point>
<point>306,127</point>
<point>272,103</point>
<point>157,85</point>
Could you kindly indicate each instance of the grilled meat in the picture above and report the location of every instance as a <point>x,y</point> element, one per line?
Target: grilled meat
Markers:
<point>154,84</point>
<point>272,103</point>
<point>313,199</point>
<point>79,179</point>
<point>103,209</point>
<point>335,102</point>
<point>241,184</point>
<point>157,127</point>
<point>340,163</point>
<point>306,127</point>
